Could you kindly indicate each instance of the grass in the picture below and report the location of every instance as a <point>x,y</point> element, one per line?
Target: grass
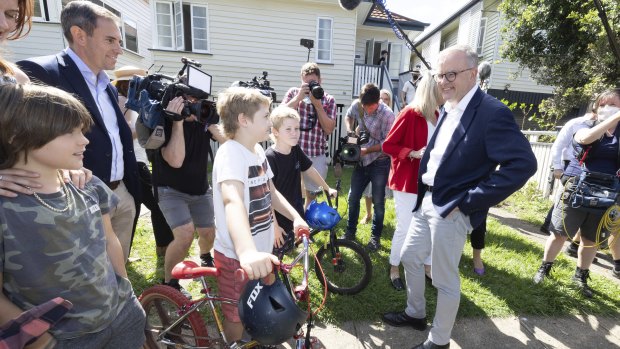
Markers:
<point>506,290</point>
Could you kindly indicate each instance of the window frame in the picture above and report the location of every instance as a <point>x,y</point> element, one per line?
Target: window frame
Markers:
<point>42,6</point>
<point>208,49</point>
<point>170,14</point>
<point>129,21</point>
<point>482,32</point>
<point>318,39</point>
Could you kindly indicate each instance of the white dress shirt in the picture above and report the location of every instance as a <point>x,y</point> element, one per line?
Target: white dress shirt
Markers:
<point>97,85</point>
<point>562,148</point>
<point>444,135</point>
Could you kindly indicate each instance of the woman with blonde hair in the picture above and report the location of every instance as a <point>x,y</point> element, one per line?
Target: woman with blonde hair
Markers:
<point>405,144</point>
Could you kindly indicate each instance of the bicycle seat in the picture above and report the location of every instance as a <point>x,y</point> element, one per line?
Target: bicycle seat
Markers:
<point>191,270</point>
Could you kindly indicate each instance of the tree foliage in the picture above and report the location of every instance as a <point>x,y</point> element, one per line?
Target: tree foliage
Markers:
<point>564,44</point>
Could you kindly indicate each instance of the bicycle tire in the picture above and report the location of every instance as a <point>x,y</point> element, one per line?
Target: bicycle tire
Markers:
<point>349,271</point>
<point>161,304</point>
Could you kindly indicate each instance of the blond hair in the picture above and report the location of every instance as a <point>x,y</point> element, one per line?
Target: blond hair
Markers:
<point>235,101</point>
<point>278,116</point>
<point>32,116</point>
<point>389,94</point>
<point>427,96</point>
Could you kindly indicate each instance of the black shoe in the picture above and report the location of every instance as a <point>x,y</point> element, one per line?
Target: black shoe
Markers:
<point>349,236</point>
<point>615,272</point>
<point>571,249</point>
<point>430,345</point>
<point>581,280</point>
<point>400,319</point>
<point>543,271</point>
<point>206,260</point>
<point>397,283</point>
<point>373,245</point>
<point>174,283</point>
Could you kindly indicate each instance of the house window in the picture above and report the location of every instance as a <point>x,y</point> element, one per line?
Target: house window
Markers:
<point>128,28</point>
<point>39,10</point>
<point>130,33</point>
<point>324,37</point>
<point>481,33</point>
<point>182,26</point>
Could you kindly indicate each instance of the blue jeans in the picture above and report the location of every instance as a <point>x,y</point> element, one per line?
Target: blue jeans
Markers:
<point>376,173</point>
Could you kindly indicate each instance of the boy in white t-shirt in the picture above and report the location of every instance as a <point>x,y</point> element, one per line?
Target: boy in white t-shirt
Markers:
<point>243,197</point>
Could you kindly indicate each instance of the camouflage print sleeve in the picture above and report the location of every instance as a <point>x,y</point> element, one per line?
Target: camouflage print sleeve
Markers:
<point>107,198</point>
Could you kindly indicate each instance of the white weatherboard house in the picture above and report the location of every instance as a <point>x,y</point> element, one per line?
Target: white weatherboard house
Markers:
<point>239,39</point>
<point>478,24</point>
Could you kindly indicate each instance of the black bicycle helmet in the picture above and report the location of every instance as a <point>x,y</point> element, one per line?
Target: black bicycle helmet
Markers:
<point>269,313</point>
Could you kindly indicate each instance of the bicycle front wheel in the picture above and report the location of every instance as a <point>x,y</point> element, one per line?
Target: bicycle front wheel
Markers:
<point>346,265</point>
<point>163,306</point>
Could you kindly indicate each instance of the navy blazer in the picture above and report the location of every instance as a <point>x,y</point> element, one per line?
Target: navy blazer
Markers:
<point>61,71</point>
<point>468,176</point>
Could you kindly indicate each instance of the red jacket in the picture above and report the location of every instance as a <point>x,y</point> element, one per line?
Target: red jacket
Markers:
<point>409,132</point>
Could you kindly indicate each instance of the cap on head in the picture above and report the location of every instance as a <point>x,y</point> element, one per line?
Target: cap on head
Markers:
<point>127,72</point>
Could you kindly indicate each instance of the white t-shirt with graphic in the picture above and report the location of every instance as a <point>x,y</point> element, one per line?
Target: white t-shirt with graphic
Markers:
<point>233,161</point>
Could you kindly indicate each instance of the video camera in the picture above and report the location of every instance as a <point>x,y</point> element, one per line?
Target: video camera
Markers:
<point>349,148</point>
<point>261,84</point>
<point>196,85</point>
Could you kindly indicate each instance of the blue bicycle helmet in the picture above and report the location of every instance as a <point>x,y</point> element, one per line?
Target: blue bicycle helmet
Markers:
<point>269,313</point>
<point>321,216</point>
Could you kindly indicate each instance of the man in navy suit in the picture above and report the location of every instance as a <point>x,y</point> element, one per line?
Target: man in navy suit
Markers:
<point>94,44</point>
<point>476,158</point>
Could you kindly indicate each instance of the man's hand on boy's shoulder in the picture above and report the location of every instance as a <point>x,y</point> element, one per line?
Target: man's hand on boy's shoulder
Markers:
<point>14,181</point>
<point>257,264</point>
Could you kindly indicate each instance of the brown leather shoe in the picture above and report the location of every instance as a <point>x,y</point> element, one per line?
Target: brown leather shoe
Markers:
<point>400,318</point>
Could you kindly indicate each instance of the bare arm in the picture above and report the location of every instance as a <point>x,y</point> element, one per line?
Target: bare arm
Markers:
<point>589,135</point>
<point>327,124</point>
<point>280,204</point>
<point>174,152</point>
<point>216,134</point>
<point>317,178</point>
<point>113,247</point>
<point>256,264</point>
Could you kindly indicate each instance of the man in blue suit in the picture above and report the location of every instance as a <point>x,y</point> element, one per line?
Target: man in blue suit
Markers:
<point>94,44</point>
<point>476,158</point>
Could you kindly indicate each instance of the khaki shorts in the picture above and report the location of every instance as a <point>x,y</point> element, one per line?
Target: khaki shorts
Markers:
<point>320,164</point>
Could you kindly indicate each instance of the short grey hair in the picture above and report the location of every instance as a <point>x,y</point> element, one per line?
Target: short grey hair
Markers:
<point>83,14</point>
<point>470,54</point>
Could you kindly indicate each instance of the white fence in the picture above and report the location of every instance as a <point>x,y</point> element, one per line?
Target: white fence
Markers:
<point>542,151</point>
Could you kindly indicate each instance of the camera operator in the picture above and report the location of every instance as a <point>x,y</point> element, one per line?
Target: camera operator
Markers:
<point>317,110</point>
<point>375,120</point>
<point>180,178</point>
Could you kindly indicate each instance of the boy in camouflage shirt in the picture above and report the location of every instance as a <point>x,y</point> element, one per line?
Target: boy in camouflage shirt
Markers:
<point>58,242</point>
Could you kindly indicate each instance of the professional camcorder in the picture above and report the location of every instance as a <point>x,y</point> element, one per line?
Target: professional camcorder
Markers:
<point>195,88</point>
<point>349,148</point>
<point>261,84</point>
<point>149,96</point>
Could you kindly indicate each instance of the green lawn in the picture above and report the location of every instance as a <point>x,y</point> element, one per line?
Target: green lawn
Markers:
<point>506,290</point>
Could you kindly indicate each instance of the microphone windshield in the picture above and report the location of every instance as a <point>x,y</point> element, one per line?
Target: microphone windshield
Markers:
<point>349,5</point>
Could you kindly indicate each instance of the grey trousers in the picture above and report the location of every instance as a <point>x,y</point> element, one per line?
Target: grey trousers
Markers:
<point>443,239</point>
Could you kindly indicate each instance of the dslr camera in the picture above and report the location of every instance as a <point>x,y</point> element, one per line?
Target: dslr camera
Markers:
<point>350,147</point>
<point>316,90</point>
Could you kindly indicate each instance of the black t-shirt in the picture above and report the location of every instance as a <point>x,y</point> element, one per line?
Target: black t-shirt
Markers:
<point>287,170</point>
<point>191,178</point>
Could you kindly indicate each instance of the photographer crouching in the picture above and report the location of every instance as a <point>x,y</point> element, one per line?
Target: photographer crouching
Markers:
<point>375,120</point>
<point>180,176</point>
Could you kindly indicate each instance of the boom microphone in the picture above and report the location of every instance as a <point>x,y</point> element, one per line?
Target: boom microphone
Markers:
<point>349,5</point>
